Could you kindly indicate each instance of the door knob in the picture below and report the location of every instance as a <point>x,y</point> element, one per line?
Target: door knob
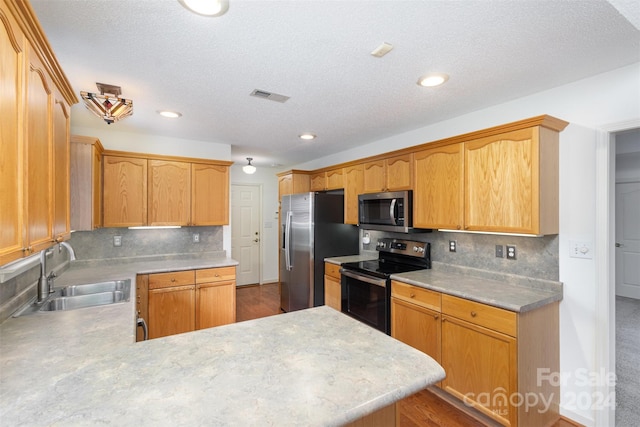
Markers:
<point>256,240</point>
<point>619,245</point>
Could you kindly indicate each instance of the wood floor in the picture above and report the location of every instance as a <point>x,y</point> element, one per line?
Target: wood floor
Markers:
<point>423,409</point>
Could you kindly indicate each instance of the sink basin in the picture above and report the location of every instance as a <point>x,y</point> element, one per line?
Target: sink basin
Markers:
<point>80,296</point>
<point>96,288</point>
<point>81,301</point>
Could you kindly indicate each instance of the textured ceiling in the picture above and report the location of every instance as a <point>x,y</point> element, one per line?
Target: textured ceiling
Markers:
<point>318,53</point>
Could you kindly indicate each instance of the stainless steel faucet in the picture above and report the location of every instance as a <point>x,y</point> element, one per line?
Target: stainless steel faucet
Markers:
<point>43,283</point>
<point>72,254</point>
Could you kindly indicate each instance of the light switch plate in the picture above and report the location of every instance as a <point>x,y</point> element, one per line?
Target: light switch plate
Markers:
<point>581,249</point>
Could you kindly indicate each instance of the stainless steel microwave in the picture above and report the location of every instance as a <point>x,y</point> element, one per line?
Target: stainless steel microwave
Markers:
<point>390,211</point>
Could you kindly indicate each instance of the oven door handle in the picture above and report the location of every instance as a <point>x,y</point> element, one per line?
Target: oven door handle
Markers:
<point>367,279</point>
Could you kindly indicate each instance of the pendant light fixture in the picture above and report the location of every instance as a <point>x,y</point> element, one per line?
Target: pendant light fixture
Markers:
<point>249,168</point>
<point>108,105</point>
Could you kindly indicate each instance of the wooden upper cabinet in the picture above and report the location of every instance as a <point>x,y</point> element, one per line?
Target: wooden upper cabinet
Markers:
<point>511,182</point>
<point>335,179</point>
<point>86,183</point>
<point>293,182</point>
<point>12,215</point>
<point>34,130</point>
<point>209,194</point>
<point>318,181</point>
<point>124,191</point>
<point>438,188</point>
<point>38,150</point>
<point>353,186</point>
<point>391,174</point>
<point>169,193</point>
<point>61,165</point>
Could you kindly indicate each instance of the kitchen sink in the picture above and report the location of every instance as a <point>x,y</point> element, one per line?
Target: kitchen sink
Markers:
<point>80,296</point>
<point>96,288</point>
<point>81,301</point>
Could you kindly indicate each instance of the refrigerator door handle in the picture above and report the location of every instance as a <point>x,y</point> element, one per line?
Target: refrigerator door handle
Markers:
<point>287,241</point>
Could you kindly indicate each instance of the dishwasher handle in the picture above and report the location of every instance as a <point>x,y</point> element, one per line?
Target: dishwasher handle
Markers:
<point>141,323</point>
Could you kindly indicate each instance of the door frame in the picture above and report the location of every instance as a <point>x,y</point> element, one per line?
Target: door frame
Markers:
<point>605,354</point>
<point>260,219</point>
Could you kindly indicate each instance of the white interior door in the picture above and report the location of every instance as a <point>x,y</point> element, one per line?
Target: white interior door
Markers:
<point>246,217</point>
<point>628,239</point>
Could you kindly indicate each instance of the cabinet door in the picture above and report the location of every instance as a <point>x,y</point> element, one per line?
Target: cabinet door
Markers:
<point>318,182</point>
<point>11,147</point>
<point>216,304</point>
<point>501,181</point>
<point>374,177</point>
<point>96,182</point>
<point>335,179</point>
<point>398,172</point>
<point>332,292</point>
<point>124,191</point>
<point>285,185</point>
<point>169,193</point>
<point>481,367</point>
<point>210,194</point>
<point>438,190</point>
<point>416,326</point>
<point>353,186</point>
<point>61,165</point>
<point>171,310</point>
<point>38,188</point>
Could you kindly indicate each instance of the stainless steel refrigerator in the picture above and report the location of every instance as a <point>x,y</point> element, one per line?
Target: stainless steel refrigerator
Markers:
<point>312,229</point>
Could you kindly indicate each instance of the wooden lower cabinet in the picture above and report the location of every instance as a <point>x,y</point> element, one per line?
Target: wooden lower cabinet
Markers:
<point>492,357</point>
<point>215,297</point>
<point>183,301</point>
<point>332,286</point>
<point>171,311</point>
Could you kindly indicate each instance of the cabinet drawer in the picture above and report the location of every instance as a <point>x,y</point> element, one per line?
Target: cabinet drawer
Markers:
<point>332,270</point>
<point>416,295</point>
<point>494,318</point>
<point>174,278</point>
<point>215,274</point>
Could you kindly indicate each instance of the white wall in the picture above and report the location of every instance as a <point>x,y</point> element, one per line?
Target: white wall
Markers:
<point>588,105</point>
<point>267,179</point>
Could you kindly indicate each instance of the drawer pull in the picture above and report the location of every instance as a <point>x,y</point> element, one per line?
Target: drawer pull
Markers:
<point>435,317</point>
<point>412,295</point>
<point>474,314</point>
<point>173,280</point>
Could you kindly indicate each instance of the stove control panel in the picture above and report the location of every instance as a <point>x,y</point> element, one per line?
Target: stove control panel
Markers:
<point>400,246</point>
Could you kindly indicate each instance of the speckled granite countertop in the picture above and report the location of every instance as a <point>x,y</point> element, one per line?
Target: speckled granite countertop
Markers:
<point>508,291</point>
<point>310,367</point>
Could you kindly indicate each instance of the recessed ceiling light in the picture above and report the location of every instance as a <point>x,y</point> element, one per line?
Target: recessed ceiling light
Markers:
<point>433,79</point>
<point>307,136</point>
<point>206,7</point>
<point>170,114</point>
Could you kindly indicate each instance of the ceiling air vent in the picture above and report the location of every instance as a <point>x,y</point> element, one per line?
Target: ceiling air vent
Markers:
<point>269,95</point>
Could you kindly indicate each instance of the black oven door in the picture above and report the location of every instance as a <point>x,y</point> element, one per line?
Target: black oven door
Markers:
<point>366,299</point>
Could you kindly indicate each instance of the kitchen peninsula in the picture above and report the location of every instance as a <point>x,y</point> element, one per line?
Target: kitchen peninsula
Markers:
<point>310,367</point>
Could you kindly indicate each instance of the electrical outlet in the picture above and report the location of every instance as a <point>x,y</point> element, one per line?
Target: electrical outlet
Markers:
<point>499,251</point>
<point>453,245</point>
<point>196,237</point>
<point>117,241</point>
<point>511,252</point>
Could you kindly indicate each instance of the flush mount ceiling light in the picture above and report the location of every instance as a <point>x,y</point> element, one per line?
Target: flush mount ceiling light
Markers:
<point>209,8</point>
<point>108,105</point>
<point>249,168</point>
<point>169,114</point>
<point>307,136</point>
<point>433,79</point>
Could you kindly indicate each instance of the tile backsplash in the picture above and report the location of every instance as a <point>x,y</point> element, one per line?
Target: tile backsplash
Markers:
<point>99,244</point>
<point>537,257</point>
